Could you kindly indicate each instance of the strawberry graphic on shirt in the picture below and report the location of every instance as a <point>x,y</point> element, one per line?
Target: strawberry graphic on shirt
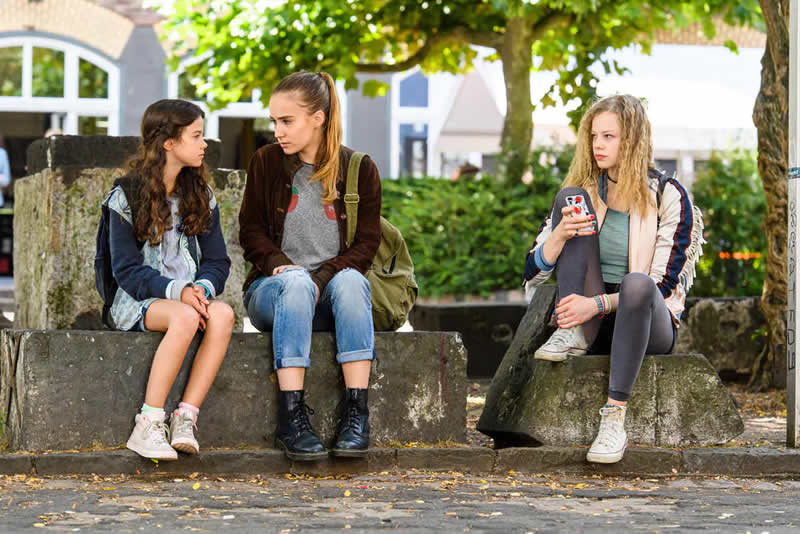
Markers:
<point>330,212</point>
<point>295,198</point>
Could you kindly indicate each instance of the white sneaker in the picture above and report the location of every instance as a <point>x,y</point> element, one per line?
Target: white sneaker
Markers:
<point>564,342</point>
<point>611,441</point>
<point>149,439</point>
<point>181,428</point>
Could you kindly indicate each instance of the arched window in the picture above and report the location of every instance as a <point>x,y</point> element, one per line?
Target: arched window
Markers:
<point>71,87</point>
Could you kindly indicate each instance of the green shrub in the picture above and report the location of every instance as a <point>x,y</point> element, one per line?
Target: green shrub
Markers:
<point>730,195</point>
<point>471,236</point>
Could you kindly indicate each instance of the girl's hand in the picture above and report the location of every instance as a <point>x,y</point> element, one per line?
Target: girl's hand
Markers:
<point>574,225</point>
<point>574,310</point>
<point>190,296</point>
<point>200,291</point>
<point>280,268</point>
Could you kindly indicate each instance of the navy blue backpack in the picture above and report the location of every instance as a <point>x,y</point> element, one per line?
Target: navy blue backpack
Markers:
<point>103,275</point>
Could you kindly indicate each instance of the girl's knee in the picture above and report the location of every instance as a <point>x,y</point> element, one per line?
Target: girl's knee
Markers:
<point>297,281</point>
<point>349,283</point>
<point>636,289</point>
<point>221,315</point>
<point>186,319</point>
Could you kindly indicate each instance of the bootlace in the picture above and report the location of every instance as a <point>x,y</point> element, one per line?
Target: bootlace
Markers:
<point>300,417</point>
<point>352,414</point>
<point>349,413</point>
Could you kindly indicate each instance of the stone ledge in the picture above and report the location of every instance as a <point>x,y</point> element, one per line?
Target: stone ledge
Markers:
<point>572,460</point>
<point>638,462</point>
<point>65,390</point>
<point>99,151</point>
<point>472,460</point>
<point>754,461</point>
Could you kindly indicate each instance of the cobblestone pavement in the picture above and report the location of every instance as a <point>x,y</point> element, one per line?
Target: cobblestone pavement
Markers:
<point>406,502</point>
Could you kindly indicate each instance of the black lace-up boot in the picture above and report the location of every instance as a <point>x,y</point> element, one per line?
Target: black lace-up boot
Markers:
<point>294,434</point>
<point>353,436</point>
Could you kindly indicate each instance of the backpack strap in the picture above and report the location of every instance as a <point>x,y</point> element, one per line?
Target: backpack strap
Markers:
<point>131,188</point>
<point>662,183</point>
<point>351,197</point>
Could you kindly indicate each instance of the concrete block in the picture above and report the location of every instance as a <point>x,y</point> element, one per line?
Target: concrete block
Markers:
<point>55,217</point>
<point>678,400</point>
<point>486,328</point>
<point>722,329</point>
<point>78,389</point>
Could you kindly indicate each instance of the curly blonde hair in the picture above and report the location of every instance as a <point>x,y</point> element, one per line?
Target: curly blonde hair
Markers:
<point>635,154</point>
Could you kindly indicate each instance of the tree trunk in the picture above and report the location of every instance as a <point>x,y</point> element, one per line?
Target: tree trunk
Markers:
<point>771,117</point>
<point>518,124</point>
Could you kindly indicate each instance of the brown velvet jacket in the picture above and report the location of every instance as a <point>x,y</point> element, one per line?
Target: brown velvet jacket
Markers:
<point>266,202</point>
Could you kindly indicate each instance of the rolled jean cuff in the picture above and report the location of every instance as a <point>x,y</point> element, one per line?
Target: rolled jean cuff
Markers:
<point>292,362</point>
<point>356,356</point>
<point>618,395</point>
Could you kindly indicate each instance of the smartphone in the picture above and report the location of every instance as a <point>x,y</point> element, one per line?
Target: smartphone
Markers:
<point>580,202</point>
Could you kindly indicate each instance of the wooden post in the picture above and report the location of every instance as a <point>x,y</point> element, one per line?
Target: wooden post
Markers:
<point>792,324</point>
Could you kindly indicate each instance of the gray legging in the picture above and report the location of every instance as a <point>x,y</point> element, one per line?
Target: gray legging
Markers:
<point>642,323</point>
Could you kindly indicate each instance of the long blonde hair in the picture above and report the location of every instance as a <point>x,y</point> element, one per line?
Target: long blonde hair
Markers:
<point>635,153</point>
<point>317,92</point>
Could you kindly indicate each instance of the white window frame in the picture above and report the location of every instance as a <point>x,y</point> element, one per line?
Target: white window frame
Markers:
<point>405,115</point>
<point>246,110</point>
<point>70,103</point>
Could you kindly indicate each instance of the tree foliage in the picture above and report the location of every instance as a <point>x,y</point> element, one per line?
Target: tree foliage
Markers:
<point>729,193</point>
<point>253,43</point>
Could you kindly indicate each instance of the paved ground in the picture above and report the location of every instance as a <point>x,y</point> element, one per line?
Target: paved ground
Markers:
<point>411,502</point>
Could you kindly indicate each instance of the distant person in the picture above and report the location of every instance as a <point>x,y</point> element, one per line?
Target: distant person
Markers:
<point>305,274</point>
<point>623,239</point>
<point>467,171</point>
<point>5,170</point>
<point>170,263</point>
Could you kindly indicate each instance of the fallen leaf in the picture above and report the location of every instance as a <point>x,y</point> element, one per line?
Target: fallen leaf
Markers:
<point>196,486</point>
<point>347,493</point>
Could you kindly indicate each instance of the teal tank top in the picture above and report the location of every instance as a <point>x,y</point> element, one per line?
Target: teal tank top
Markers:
<point>614,246</point>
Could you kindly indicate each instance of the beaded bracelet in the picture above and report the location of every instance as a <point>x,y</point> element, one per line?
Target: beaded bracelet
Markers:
<point>601,309</point>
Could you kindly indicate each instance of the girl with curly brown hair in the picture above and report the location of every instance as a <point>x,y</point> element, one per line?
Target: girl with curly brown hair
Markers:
<point>623,239</point>
<point>169,259</point>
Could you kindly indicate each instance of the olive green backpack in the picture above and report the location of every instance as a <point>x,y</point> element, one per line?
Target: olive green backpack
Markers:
<point>391,276</point>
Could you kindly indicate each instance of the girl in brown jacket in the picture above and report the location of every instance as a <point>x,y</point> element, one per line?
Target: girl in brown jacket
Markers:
<point>305,276</point>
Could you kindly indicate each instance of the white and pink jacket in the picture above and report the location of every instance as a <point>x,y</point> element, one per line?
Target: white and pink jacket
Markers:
<point>664,245</point>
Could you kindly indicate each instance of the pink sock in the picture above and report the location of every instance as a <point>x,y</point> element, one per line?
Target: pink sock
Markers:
<point>190,410</point>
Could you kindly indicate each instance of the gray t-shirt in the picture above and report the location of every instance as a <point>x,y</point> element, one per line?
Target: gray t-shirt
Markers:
<point>311,231</point>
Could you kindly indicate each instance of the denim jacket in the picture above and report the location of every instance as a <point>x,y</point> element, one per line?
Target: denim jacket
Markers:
<point>138,271</point>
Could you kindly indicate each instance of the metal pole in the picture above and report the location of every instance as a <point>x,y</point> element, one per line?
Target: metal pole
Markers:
<point>792,324</point>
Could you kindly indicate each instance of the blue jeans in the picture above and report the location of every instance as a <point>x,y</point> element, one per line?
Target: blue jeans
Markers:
<point>284,304</point>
